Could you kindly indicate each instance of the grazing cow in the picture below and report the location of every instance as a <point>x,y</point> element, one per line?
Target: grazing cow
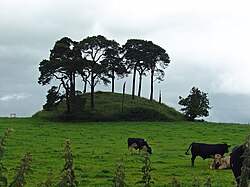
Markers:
<point>206,150</point>
<point>220,162</point>
<point>237,160</point>
<point>138,143</point>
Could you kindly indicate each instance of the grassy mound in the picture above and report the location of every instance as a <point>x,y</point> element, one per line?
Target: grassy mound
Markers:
<point>108,108</point>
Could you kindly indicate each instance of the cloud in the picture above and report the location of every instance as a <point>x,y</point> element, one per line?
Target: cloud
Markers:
<point>15,96</point>
<point>207,41</point>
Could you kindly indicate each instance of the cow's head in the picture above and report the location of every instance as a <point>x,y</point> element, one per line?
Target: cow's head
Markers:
<point>148,149</point>
<point>226,147</point>
<point>217,160</point>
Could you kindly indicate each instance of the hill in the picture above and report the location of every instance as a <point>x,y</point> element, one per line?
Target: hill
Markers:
<point>108,108</point>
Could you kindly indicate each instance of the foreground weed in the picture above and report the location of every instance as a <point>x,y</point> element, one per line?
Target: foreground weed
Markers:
<point>245,170</point>
<point>118,180</point>
<point>48,182</point>
<point>22,170</point>
<point>3,144</point>
<point>175,183</point>
<point>146,169</point>
<point>196,182</point>
<point>208,183</point>
<point>68,177</point>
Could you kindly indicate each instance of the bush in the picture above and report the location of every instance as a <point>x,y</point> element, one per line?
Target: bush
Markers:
<point>140,113</point>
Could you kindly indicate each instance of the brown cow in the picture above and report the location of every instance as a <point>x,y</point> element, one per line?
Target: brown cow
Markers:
<point>220,162</point>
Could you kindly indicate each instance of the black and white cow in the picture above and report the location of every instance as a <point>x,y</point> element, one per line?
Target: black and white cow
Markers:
<point>206,150</point>
<point>138,143</point>
<point>236,161</point>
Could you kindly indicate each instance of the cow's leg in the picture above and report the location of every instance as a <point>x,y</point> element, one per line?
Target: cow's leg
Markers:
<point>221,167</point>
<point>130,151</point>
<point>192,159</point>
<point>133,146</point>
<point>237,173</point>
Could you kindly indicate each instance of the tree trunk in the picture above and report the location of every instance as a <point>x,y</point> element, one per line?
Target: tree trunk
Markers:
<point>66,87</point>
<point>68,102</point>
<point>85,87</point>
<point>123,95</point>
<point>140,82</point>
<point>92,86</point>
<point>113,81</point>
<point>152,85</point>
<point>72,91</point>
<point>133,84</point>
<point>160,97</point>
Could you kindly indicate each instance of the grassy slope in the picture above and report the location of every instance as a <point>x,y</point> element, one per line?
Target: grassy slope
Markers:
<point>108,108</point>
<point>98,146</point>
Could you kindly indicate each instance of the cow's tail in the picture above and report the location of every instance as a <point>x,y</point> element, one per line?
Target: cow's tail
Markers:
<point>188,149</point>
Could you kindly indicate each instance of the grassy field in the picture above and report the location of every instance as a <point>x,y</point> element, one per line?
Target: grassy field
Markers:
<point>97,147</point>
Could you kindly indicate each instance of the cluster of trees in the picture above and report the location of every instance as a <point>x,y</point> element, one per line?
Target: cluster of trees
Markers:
<point>96,59</point>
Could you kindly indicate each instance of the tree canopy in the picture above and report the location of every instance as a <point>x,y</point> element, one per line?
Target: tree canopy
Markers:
<point>196,104</point>
<point>144,56</point>
<point>95,60</point>
<point>63,66</point>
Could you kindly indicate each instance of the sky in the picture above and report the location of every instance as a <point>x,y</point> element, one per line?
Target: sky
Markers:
<point>207,41</point>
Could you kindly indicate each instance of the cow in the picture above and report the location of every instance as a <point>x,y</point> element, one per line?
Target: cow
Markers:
<point>138,143</point>
<point>220,162</point>
<point>206,150</point>
<point>236,161</point>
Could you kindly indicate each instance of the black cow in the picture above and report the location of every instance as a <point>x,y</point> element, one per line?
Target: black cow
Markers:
<point>206,150</point>
<point>236,161</point>
<point>138,143</point>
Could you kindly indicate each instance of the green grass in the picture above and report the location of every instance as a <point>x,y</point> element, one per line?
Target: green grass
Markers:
<point>108,108</point>
<point>97,147</point>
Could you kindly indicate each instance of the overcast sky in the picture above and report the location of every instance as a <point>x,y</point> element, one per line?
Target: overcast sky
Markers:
<point>207,41</point>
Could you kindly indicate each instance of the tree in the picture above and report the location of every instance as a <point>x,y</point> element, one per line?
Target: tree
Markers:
<point>135,56</point>
<point>53,98</point>
<point>85,73</point>
<point>114,64</point>
<point>93,51</point>
<point>158,60</point>
<point>62,65</point>
<point>196,104</point>
<point>143,56</point>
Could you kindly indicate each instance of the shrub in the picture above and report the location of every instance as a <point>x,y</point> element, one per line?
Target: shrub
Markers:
<point>140,113</point>
<point>22,170</point>
<point>175,183</point>
<point>68,177</point>
<point>146,169</point>
<point>3,143</point>
<point>48,182</point>
<point>118,180</point>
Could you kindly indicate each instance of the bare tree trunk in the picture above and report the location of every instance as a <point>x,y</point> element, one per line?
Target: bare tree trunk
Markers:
<point>160,97</point>
<point>133,84</point>
<point>72,91</point>
<point>66,87</point>
<point>85,87</point>
<point>152,85</point>
<point>113,81</point>
<point>140,82</point>
<point>92,88</point>
<point>123,95</point>
<point>68,102</point>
